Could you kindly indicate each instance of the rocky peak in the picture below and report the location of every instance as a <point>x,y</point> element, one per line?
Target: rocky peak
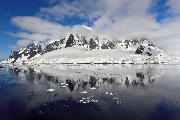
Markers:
<point>70,42</point>
<point>143,50</point>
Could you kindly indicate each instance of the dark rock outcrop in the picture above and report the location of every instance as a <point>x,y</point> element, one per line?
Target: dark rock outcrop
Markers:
<point>140,50</point>
<point>32,50</point>
<point>70,42</point>
<point>53,46</point>
<point>108,45</point>
<point>92,44</point>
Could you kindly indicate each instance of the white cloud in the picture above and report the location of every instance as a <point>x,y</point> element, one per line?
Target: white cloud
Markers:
<point>117,17</point>
<point>12,47</point>
<point>174,6</point>
<point>23,42</point>
<point>33,36</point>
<point>37,25</point>
<point>80,8</point>
<point>37,29</point>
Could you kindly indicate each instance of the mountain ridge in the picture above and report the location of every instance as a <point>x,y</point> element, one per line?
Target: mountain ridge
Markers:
<point>134,51</point>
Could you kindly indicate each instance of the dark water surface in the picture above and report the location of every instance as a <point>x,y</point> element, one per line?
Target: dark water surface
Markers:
<point>90,92</point>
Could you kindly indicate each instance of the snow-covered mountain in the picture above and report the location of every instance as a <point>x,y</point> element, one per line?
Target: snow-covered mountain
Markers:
<point>93,49</point>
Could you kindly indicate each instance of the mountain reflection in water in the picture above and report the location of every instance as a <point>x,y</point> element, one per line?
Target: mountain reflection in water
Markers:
<point>90,92</point>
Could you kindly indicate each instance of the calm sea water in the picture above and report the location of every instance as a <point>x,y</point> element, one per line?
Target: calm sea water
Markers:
<point>90,92</point>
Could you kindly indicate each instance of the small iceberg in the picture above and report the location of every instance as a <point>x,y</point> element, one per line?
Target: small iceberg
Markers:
<point>93,88</point>
<point>50,90</point>
<point>84,92</point>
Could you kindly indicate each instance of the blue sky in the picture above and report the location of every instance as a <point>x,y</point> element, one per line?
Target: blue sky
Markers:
<point>9,9</point>
<point>22,21</point>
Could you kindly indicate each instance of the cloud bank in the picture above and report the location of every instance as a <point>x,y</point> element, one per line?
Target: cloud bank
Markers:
<point>117,18</point>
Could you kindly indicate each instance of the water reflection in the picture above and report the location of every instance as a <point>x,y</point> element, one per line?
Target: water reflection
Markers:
<point>69,77</point>
<point>90,92</point>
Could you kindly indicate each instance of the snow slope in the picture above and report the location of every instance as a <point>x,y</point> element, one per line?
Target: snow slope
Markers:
<point>77,55</point>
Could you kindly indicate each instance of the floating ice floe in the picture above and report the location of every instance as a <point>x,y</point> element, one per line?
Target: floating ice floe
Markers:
<point>84,92</point>
<point>115,98</point>
<point>50,90</point>
<point>88,100</point>
<point>64,84</point>
<point>107,93</point>
<point>118,102</point>
<point>93,88</point>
